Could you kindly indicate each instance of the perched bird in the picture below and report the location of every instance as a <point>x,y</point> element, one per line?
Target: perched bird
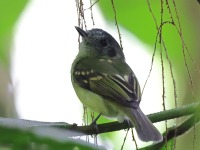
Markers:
<point>105,83</point>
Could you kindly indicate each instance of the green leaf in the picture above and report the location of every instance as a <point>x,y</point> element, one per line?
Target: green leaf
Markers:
<point>136,17</point>
<point>10,11</point>
<point>33,135</point>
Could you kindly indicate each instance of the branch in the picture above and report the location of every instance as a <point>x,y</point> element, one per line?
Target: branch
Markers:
<point>175,131</point>
<point>45,132</point>
<point>156,117</point>
<point>106,127</point>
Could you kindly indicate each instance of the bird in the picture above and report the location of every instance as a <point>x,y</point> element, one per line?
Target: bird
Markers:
<point>106,84</point>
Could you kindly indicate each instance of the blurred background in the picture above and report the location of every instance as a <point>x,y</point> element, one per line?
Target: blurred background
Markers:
<point>38,43</point>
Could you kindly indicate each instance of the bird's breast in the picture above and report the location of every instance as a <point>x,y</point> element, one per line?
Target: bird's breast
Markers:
<point>95,102</point>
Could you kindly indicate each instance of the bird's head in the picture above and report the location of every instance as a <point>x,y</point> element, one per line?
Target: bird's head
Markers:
<point>99,43</point>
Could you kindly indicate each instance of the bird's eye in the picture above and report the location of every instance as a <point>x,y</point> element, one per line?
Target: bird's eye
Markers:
<point>103,42</point>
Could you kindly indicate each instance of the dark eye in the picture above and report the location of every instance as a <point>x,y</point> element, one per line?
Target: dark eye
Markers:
<point>103,42</point>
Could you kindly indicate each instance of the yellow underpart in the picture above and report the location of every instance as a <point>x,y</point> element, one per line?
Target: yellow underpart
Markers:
<point>97,103</point>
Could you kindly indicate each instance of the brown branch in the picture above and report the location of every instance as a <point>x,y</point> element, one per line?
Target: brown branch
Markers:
<point>156,117</point>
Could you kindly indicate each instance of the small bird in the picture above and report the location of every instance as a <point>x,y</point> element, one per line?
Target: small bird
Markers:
<point>105,83</point>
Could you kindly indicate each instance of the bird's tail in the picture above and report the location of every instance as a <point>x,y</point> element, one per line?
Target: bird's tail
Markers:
<point>145,129</point>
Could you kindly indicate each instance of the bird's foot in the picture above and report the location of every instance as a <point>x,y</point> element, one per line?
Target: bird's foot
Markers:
<point>94,123</point>
<point>129,124</point>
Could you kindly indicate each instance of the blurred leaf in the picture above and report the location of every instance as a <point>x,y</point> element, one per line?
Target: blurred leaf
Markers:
<point>133,15</point>
<point>136,17</point>
<point>14,134</point>
<point>61,131</point>
<point>9,13</point>
<point>21,123</point>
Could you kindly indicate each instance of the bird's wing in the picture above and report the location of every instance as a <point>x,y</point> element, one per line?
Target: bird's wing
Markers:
<point>107,80</point>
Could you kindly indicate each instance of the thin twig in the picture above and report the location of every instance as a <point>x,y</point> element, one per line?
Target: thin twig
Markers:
<point>124,139</point>
<point>166,52</point>
<point>92,4</point>
<point>116,23</point>
<point>92,18</point>
<point>154,52</point>
<point>179,29</point>
<point>133,137</point>
<point>162,67</point>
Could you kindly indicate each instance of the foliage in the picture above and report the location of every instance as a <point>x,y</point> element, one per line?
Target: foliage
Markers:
<point>19,133</point>
<point>162,23</point>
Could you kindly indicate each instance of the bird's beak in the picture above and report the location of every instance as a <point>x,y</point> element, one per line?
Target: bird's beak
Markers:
<point>81,32</point>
